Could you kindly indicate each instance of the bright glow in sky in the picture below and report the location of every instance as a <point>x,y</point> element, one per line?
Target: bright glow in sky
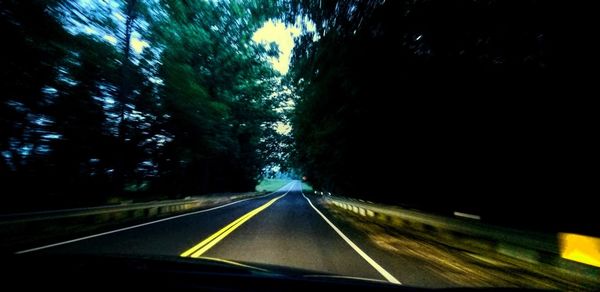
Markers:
<point>111,39</point>
<point>283,128</point>
<point>136,44</point>
<point>284,37</point>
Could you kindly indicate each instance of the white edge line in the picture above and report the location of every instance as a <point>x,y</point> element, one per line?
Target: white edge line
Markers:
<point>144,224</point>
<point>365,256</point>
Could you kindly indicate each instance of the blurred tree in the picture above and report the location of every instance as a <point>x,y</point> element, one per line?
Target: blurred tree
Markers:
<point>83,158</point>
<point>441,105</point>
<point>134,98</point>
<point>34,46</point>
<point>217,87</point>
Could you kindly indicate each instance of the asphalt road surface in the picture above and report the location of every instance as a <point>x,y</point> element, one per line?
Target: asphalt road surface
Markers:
<point>284,228</point>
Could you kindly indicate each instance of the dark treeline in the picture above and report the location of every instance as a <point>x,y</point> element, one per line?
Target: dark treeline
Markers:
<point>132,99</point>
<point>471,106</point>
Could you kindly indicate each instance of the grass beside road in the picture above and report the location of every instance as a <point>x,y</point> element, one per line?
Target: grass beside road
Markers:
<point>306,188</point>
<point>453,262</point>
<point>271,185</point>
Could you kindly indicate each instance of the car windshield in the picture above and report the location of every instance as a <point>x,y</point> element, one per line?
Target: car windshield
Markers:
<point>423,143</point>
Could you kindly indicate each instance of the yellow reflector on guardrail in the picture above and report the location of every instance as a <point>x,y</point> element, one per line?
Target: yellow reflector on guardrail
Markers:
<point>580,248</point>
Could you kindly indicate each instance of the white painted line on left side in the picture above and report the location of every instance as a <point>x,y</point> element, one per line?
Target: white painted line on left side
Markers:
<point>291,184</point>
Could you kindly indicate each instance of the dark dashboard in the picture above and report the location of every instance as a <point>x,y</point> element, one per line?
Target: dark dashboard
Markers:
<point>76,272</point>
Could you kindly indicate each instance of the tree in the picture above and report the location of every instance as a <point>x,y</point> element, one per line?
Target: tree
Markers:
<point>453,101</point>
<point>83,157</point>
<point>90,116</point>
<point>217,87</point>
<point>34,47</point>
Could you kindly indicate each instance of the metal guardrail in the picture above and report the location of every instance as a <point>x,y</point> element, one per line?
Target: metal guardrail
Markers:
<point>531,247</point>
<point>23,229</point>
<point>149,208</point>
<point>541,241</point>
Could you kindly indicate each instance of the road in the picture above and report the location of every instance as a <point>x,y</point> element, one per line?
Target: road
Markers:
<point>284,228</point>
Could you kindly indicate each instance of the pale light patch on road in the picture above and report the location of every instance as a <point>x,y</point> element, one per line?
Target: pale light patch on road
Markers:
<point>284,37</point>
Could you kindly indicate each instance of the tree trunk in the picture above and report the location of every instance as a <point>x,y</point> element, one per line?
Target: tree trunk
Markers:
<point>124,93</point>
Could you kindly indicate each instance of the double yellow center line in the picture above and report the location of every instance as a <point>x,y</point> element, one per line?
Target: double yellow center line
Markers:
<point>209,242</point>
